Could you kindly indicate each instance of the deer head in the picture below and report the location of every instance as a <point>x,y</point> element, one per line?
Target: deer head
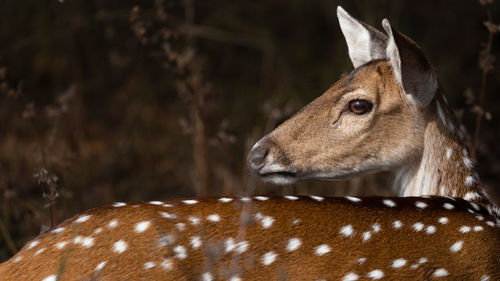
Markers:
<point>371,120</point>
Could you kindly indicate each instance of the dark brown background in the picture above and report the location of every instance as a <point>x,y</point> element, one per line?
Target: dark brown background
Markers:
<point>119,102</point>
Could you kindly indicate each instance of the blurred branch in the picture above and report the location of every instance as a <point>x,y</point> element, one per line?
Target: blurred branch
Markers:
<point>7,237</point>
<point>229,37</point>
<point>486,60</point>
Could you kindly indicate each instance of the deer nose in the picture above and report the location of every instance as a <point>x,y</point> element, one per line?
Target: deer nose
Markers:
<point>257,157</point>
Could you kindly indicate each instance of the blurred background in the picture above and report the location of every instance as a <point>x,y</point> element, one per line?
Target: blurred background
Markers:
<point>117,100</point>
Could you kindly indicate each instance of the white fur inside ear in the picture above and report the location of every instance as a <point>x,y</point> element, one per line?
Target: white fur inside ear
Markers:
<point>392,52</point>
<point>356,36</point>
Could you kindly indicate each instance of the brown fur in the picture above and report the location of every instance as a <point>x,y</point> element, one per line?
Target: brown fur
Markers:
<point>316,223</point>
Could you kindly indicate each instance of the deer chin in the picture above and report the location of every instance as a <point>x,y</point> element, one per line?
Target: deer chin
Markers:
<point>280,178</point>
<point>277,174</point>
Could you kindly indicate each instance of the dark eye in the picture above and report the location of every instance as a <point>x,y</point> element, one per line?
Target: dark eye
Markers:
<point>360,107</point>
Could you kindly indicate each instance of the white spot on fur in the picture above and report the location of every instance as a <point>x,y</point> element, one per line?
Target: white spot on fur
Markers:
<point>167,215</point>
<point>480,217</point>
<point>225,199</point>
<point>100,266</point>
<point>347,230</point>
<point>376,227</point>
<point>213,218</point>
<point>50,278</point>
<point>98,230</point>
<point>467,162</point>
<point>207,276</point>
<point>350,277</point>
<point>366,235</point>
<point>195,242</point>
<point>317,198</point>
<point>77,240</point>
<point>245,199</point>
<point>421,205</point>
<point>443,220</point>
<point>157,203</point>
<point>242,247</point>
<point>120,246</point>
<point>289,197</point>
<point>87,242</point>
<point>478,228</point>
<point>17,259</point>
<point>267,221</point>
<point>33,244</point>
<point>418,226</point>
<point>397,224</point>
<point>180,226</point>
<point>471,195</point>
<point>293,244</point>
<point>142,226</point>
<point>422,260</point>
<point>469,181</point>
<point>149,265</point>
<point>167,264</point>
<point>430,229</point>
<point>456,246</point>
<point>39,251</point>
<point>484,278</point>
<point>82,218</point>
<point>448,206</point>
<point>112,224</point>
<point>194,220</point>
<point>376,274</point>
<point>440,272</point>
<point>322,249</point>
<point>261,198</point>
<point>61,245</point>
<point>361,260</point>
<point>398,263</point>
<point>229,245</point>
<point>58,230</point>
<point>475,206</point>
<point>180,252</point>
<point>353,199</point>
<point>268,258</point>
<point>389,203</point>
<point>235,278</point>
<point>464,229</point>
<point>190,202</point>
<point>448,153</point>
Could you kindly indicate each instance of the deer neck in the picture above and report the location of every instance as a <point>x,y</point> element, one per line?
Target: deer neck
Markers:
<point>444,167</point>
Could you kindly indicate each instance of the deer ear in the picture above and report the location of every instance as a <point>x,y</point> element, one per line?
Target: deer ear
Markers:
<point>365,43</point>
<point>410,66</point>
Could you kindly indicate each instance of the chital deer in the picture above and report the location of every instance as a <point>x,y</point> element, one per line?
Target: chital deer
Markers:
<point>388,114</point>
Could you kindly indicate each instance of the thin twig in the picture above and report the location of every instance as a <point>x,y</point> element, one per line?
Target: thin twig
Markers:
<point>482,93</point>
<point>7,237</point>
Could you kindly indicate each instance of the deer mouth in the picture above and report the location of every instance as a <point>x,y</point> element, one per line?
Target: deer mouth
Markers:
<point>279,178</point>
<point>277,175</point>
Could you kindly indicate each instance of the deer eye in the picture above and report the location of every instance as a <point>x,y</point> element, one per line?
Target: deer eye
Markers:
<point>360,107</point>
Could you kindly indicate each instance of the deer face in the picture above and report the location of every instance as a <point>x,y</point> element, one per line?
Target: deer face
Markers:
<point>371,120</point>
<point>360,125</point>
